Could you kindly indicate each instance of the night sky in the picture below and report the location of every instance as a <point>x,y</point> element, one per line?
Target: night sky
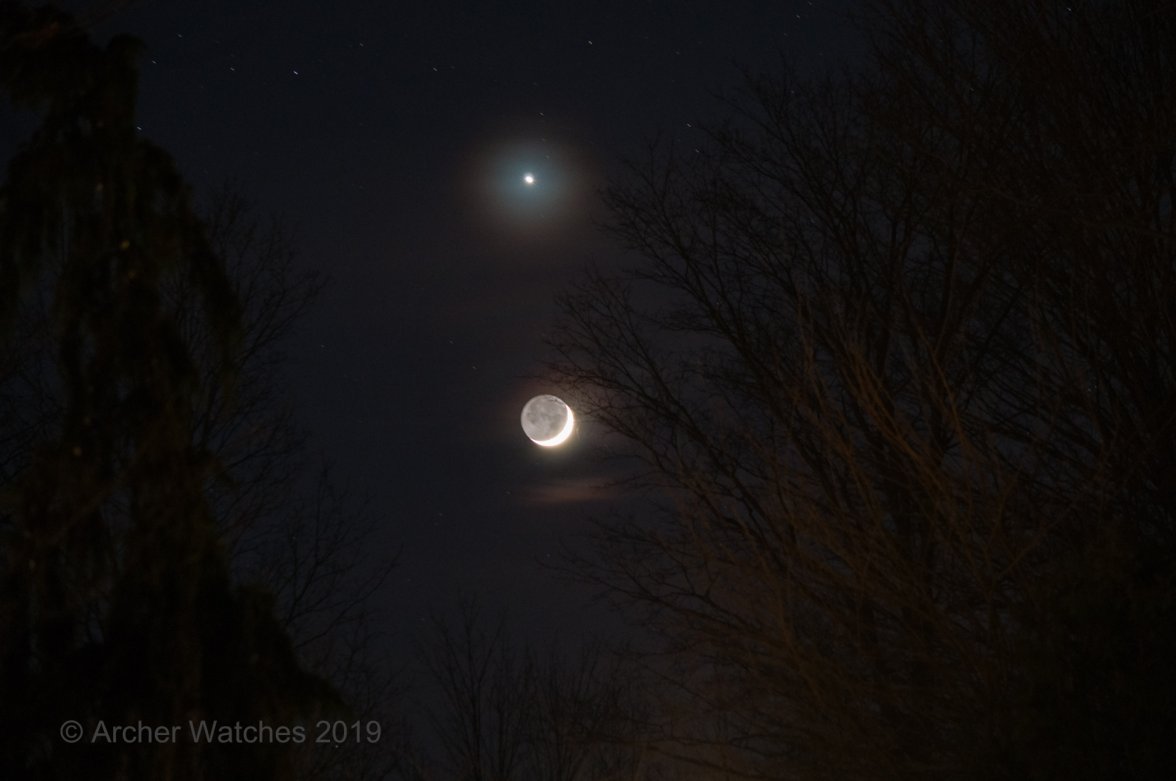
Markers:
<point>395,137</point>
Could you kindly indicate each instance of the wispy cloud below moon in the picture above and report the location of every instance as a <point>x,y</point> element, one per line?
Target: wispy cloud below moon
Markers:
<point>580,490</point>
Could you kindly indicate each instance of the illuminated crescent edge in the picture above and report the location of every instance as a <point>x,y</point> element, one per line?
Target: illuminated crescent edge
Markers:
<point>563,435</point>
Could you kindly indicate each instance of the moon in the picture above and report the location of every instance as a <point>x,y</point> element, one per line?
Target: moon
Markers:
<point>547,420</point>
<point>528,179</point>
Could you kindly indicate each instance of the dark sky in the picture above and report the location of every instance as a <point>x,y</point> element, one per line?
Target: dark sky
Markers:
<point>395,135</point>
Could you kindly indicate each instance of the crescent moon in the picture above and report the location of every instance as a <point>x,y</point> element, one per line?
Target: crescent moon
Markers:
<point>563,435</point>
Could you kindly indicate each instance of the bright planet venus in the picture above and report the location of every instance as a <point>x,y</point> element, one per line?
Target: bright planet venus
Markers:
<point>547,420</point>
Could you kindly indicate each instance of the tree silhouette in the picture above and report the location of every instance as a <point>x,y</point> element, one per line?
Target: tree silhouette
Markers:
<point>896,363</point>
<point>286,524</point>
<point>117,603</point>
<point>506,711</point>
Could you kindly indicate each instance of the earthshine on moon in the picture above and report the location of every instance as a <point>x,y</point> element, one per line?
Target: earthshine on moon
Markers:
<point>547,421</point>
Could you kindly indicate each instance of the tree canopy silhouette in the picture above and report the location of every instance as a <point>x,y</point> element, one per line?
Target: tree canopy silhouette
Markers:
<point>116,599</point>
<point>895,359</point>
<point>508,710</point>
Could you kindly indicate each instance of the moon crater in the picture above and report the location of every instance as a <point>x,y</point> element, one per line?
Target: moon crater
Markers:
<point>547,420</point>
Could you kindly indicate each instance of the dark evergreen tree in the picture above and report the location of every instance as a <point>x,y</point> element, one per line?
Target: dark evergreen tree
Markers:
<point>116,601</point>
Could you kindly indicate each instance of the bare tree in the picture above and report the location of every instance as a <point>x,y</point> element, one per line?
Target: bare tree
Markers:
<point>897,361</point>
<point>287,522</point>
<point>586,720</point>
<point>503,711</point>
<point>289,526</point>
<point>485,686</point>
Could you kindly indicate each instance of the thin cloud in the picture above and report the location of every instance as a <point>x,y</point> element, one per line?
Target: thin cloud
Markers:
<point>580,490</point>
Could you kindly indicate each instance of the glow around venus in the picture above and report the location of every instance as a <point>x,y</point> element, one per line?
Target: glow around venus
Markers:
<point>548,421</point>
